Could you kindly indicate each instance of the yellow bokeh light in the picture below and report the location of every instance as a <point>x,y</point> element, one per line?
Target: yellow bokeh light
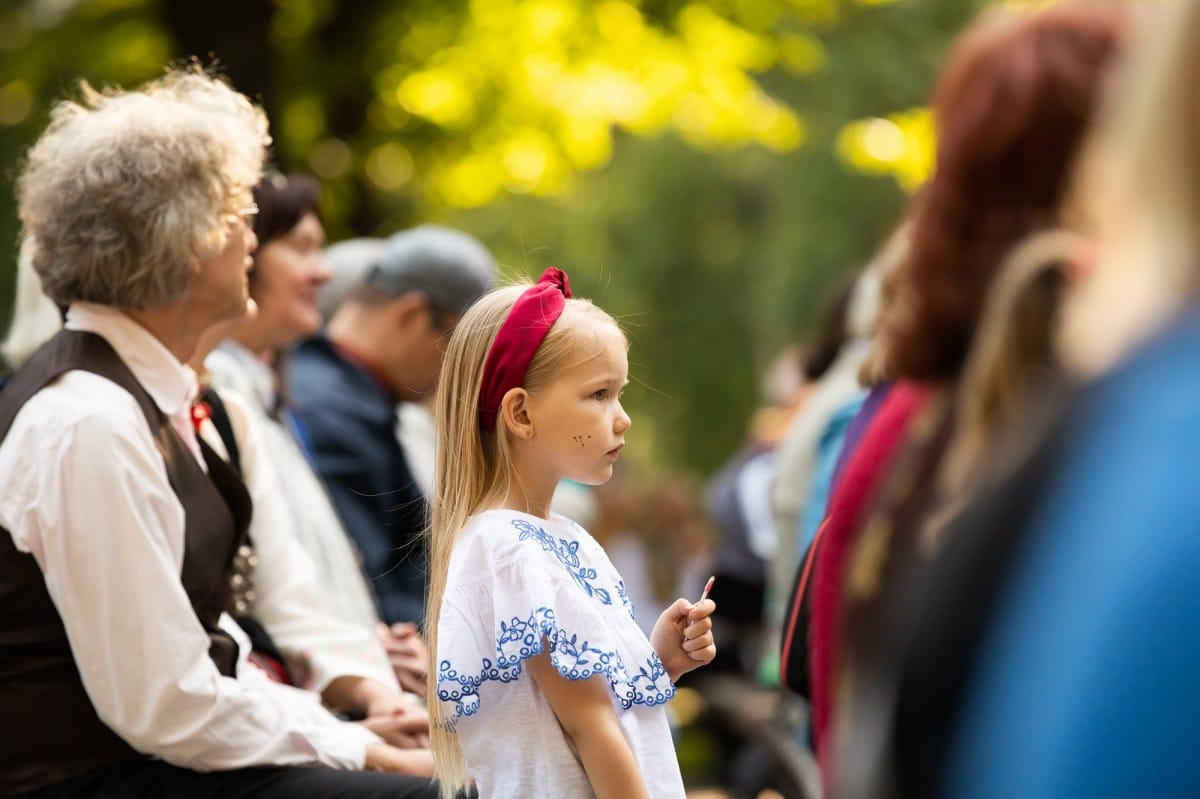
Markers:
<point>883,141</point>
<point>469,182</point>
<point>610,92</point>
<point>819,12</point>
<point>801,54</point>
<point>587,141</point>
<point>900,146</point>
<point>618,21</point>
<point>574,72</point>
<point>331,158</point>
<point>694,117</point>
<point>437,95</point>
<point>723,43</point>
<point>304,120</point>
<point>525,158</point>
<point>547,19</point>
<point>778,127</point>
<point>389,166</point>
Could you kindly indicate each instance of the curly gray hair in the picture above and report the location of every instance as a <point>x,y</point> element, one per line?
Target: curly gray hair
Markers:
<point>126,190</point>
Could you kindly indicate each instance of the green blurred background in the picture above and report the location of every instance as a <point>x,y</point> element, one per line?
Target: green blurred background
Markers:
<point>705,169</point>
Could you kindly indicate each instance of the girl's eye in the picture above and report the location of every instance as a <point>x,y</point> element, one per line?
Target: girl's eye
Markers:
<point>602,394</point>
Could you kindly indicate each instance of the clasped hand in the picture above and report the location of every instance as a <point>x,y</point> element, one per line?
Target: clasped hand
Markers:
<point>407,654</point>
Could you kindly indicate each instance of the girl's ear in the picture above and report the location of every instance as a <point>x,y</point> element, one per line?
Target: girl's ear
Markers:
<point>514,410</point>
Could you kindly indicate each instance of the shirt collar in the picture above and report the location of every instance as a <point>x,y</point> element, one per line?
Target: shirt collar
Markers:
<point>368,365</point>
<point>262,376</point>
<point>171,384</point>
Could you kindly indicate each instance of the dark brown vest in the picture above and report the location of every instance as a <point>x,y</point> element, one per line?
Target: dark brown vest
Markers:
<point>48,727</point>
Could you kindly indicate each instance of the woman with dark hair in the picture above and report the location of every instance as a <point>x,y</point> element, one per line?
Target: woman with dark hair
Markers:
<point>1014,98</point>
<point>288,266</point>
<point>288,271</point>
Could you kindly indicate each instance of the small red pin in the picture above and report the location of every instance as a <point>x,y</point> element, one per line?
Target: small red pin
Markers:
<point>200,412</point>
<point>707,587</point>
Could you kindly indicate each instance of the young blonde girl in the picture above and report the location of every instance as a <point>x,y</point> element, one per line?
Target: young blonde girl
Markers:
<point>541,683</point>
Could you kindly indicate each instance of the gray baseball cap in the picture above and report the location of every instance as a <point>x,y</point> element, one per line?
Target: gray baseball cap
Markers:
<point>348,262</point>
<point>452,268</point>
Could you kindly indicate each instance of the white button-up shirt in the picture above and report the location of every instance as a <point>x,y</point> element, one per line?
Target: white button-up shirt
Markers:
<point>86,494</point>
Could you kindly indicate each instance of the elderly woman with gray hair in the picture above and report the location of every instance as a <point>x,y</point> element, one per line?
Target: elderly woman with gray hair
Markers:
<point>120,672</point>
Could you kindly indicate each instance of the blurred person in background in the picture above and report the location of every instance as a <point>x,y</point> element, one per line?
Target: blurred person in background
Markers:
<point>288,273</point>
<point>278,595</point>
<point>619,528</point>
<point>807,454</point>
<point>1012,102</point>
<point>1071,654</point>
<point>35,318</point>
<point>1012,385</point>
<point>737,499</point>
<point>384,345</point>
<point>288,270</point>
<point>348,260</point>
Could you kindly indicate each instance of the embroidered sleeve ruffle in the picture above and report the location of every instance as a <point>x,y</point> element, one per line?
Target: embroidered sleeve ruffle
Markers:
<point>543,594</point>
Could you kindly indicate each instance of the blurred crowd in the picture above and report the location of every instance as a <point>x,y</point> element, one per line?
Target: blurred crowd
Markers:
<point>973,531</point>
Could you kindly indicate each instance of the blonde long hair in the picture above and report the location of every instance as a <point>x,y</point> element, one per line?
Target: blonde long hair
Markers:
<point>473,468</point>
<point>1139,193</point>
<point>1012,358</point>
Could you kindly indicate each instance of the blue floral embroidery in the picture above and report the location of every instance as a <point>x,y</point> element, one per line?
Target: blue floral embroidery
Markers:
<point>573,656</point>
<point>621,592</point>
<point>567,553</point>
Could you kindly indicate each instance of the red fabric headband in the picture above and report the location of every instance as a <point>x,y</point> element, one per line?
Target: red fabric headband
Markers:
<point>531,317</point>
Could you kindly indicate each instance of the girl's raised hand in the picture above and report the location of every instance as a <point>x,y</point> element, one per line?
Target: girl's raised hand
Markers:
<point>683,637</point>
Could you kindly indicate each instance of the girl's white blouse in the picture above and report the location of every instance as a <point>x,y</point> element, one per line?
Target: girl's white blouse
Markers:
<point>515,582</point>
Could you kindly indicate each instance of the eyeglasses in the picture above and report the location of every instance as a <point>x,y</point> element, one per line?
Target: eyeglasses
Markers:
<point>245,215</point>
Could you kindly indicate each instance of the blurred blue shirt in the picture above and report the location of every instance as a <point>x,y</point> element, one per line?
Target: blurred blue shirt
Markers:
<point>1089,681</point>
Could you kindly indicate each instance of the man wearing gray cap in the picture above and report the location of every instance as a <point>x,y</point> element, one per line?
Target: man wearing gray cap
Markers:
<point>348,261</point>
<point>383,345</point>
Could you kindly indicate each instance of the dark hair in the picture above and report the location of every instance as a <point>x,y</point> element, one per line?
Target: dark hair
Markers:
<point>1012,105</point>
<point>832,333</point>
<point>282,201</point>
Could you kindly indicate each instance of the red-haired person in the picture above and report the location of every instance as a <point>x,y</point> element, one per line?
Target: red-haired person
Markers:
<point>1014,98</point>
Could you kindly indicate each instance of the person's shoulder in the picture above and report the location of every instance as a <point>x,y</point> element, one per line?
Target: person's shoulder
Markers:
<point>500,537</point>
<point>228,373</point>
<point>323,383</point>
<point>1129,440</point>
<point>311,363</point>
<point>315,355</point>
<point>79,411</point>
<point>1161,377</point>
<point>1144,407</point>
<point>80,397</point>
<point>489,532</point>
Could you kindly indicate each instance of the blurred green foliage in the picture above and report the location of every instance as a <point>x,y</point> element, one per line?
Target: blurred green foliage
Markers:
<point>706,169</point>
